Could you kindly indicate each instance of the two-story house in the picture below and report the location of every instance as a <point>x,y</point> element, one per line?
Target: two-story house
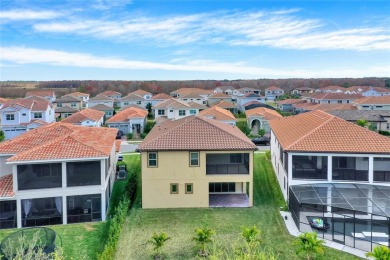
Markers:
<point>69,101</point>
<point>378,119</point>
<point>287,105</point>
<point>331,89</point>
<point>373,103</point>
<point>218,97</point>
<point>331,98</point>
<point>335,176</point>
<point>21,115</point>
<point>101,99</point>
<point>242,100</point>
<point>368,91</point>
<point>228,90</point>
<point>129,120</point>
<point>46,94</point>
<point>56,174</point>
<point>246,90</point>
<point>302,90</point>
<point>159,98</point>
<point>176,109</point>
<point>86,117</point>
<point>273,93</point>
<point>228,106</point>
<point>196,162</point>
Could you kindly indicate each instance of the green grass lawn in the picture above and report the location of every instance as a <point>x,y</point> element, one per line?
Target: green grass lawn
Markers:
<point>227,222</point>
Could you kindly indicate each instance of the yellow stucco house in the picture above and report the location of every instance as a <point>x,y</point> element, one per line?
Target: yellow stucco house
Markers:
<point>196,162</point>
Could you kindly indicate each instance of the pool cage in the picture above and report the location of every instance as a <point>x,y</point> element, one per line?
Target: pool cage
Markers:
<point>356,215</point>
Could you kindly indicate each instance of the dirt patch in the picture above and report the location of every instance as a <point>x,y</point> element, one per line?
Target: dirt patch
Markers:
<point>89,227</point>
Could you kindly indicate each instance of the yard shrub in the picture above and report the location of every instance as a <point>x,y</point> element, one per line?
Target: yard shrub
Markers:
<point>130,136</point>
<point>202,238</point>
<point>240,115</point>
<point>114,229</point>
<point>268,155</point>
<point>2,136</point>
<point>309,245</point>
<point>387,133</point>
<point>251,234</point>
<point>143,135</point>
<point>379,253</point>
<point>149,125</point>
<point>131,187</point>
<point>158,242</point>
<point>243,126</point>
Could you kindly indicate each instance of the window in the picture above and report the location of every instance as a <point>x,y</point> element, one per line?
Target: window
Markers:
<point>24,114</point>
<point>174,188</point>
<point>182,112</point>
<point>126,103</point>
<point>189,188</point>
<point>222,187</point>
<point>171,111</point>
<point>235,158</point>
<point>194,158</point>
<point>138,102</point>
<point>339,101</point>
<point>10,117</point>
<point>83,173</point>
<point>152,159</point>
<point>161,112</point>
<point>37,115</point>
<point>192,112</point>
<point>59,104</point>
<point>73,104</point>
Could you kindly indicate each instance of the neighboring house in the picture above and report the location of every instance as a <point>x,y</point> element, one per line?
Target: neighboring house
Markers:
<point>219,114</point>
<point>64,112</point>
<point>101,99</point>
<point>82,96</point>
<point>2,101</point>
<point>183,91</point>
<point>246,90</point>
<point>47,94</point>
<point>86,117</point>
<point>379,119</point>
<point>306,107</point>
<point>193,97</point>
<point>218,97</point>
<point>302,90</point>
<point>368,91</point>
<point>273,92</point>
<point>135,99</point>
<point>255,104</point>
<point>146,95</point>
<point>57,174</point>
<point>176,109</point>
<point>287,105</point>
<point>129,120</point>
<point>108,111</point>
<point>331,89</point>
<point>227,105</point>
<point>159,98</point>
<point>112,94</point>
<point>373,103</point>
<point>21,115</point>
<point>69,101</point>
<point>258,118</point>
<point>196,162</point>
<point>242,100</point>
<point>228,90</point>
<point>331,98</point>
<point>328,167</point>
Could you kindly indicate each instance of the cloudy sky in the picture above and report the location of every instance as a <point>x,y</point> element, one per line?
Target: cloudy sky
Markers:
<point>182,39</point>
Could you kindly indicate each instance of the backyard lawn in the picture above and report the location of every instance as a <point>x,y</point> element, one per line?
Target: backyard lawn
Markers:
<point>179,224</point>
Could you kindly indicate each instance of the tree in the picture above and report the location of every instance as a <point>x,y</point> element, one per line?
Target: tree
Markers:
<point>261,132</point>
<point>2,136</point>
<point>158,241</point>
<point>250,234</point>
<point>202,238</point>
<point>149,108</point>
<point>309,244</point>
<point>362,122</point>
<point>379,253</point>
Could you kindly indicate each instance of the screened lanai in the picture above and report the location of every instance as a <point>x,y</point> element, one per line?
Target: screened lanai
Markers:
<point>357,215</point>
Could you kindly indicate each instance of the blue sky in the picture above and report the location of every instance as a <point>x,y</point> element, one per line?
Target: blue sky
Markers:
<point>183,40</point>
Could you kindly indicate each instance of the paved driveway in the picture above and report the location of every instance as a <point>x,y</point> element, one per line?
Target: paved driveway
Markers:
<point>126,147</point>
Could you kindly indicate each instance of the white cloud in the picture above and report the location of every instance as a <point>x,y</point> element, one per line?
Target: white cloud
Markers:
<point>23,14</point>
<point>24,55</point>
<point>278,29</point>
<point>109,4</point>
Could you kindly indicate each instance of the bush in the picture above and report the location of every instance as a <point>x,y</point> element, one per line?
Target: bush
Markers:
<point>268,155</point>
<point>149,125</point>
<point>386,133</point>
<point>143,135</point>
<point>130,136</point>
<point>131,187</point>
<point>2,136</point>
<point>243,126</point>
<point>240,115</point>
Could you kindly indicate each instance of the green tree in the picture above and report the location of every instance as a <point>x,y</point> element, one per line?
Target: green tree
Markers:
<point>202,238</point>
<point>149,108</point>
<point>261,132</point>
<point>250,234</point>
<point>379,253</point>
<point>310,245</point>
<point>362,122</point>
<point>158,242</point>
<point>2,136</point>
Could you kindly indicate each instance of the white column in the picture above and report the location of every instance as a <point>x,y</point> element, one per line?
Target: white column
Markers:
<point>330,168</point>
<point>289,167</point>
<point>19,213</point>
<point>371,169</point>
<point>103,173</point>
<point>64,210</point>
<point>63,172</point>
<point>103,205</point>
<point>250,193</point>
<point>15,177</point>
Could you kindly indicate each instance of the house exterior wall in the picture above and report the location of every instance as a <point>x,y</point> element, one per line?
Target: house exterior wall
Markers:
<point>98,123</point>
<point>5,169</point>
<point>174,167</point>
<point>173,113</point>
<point>374,107</point>
<point>76,105</point>
<point>92,103</point>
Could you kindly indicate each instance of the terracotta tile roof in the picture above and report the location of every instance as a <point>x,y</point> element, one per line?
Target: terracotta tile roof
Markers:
<point>199,91</point>
<point>318,131</point>
<point>77,94</point>
<point>225,104</point>
<point>128,113</point>
<point>197,134</point>
<point>272,88</point>
<point>141,92</point>
<point>132,105</point>
<point>41,93</point>
<point>85,114</point>
<point>303,88</point>
<point>161,96</point>
<point>248,89</point>
<point>382,90</point>
<point>161,119</point>
<point>32,103</point>
<point>6,186</point>
<point>67,98</point>
<point>133,97</point>
<point>218,113</point>
<point>102,107</point>
<point>117,145</point>
<point>290,101</point>
<point>111,93</point>
<point>324,107</point>
<point>219,95</point>
<point>60,141</point>
<point>354,115</point>
<point>177,104</point>
<point>36,121</point>
<point>381,100</point>
<point>100,97</point>
<point>65,109</point>
<point>224,88</point>
<point>326,96</point>
<point>254,102</point>
<point>266,113</point>
<point>190,95</point>
<point>3,100</point>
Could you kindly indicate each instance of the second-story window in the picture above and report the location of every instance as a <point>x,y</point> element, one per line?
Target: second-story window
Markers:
<point>152,159</point>
<point>10,117</point>
<point>138,102</point>
<point>59,104</point>
<point>73,104</point>
<point>182,112</point>
<point>161,112</point>
<point>194,158</point>
<point>38,115</point>
<point>192,112</point>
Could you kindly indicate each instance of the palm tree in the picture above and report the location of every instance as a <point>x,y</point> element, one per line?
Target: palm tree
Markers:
<point>250,234</point>
<point>310,245</point>
<point>379,253</point>
<point>202,238</point>
<point>158,241</point>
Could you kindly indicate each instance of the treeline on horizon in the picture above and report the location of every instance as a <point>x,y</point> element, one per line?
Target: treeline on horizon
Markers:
<point>15,89</point>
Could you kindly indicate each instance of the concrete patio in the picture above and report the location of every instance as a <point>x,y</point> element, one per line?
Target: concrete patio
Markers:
<point>228,201</point>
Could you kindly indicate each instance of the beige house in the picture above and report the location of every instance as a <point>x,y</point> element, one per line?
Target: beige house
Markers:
<point>196,162</point>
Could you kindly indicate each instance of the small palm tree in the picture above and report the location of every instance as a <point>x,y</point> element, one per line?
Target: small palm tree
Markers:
<point>250,234</point>
<point>310,245</point>
<point>202,238</point>
<point>379,253</point>
<point>158,241</point>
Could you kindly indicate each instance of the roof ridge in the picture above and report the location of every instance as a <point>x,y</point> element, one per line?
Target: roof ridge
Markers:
<point>314,129</point>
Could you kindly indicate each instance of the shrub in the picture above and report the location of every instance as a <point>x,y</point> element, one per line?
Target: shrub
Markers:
<point>243,126</point>
<point>158,241</point>
<point>131,187</point>
<point>143,135</point>
<point>240,115</point>
<point>202,238</point>
<point>268,155</point>
<point>2,136</point>
<point>309,244</point>
<point>261,132</point>
<point>250,234</point>
<point>387,133</point>
<point>379,253</point>
<point>149,125</point>
<point>130,136</point>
